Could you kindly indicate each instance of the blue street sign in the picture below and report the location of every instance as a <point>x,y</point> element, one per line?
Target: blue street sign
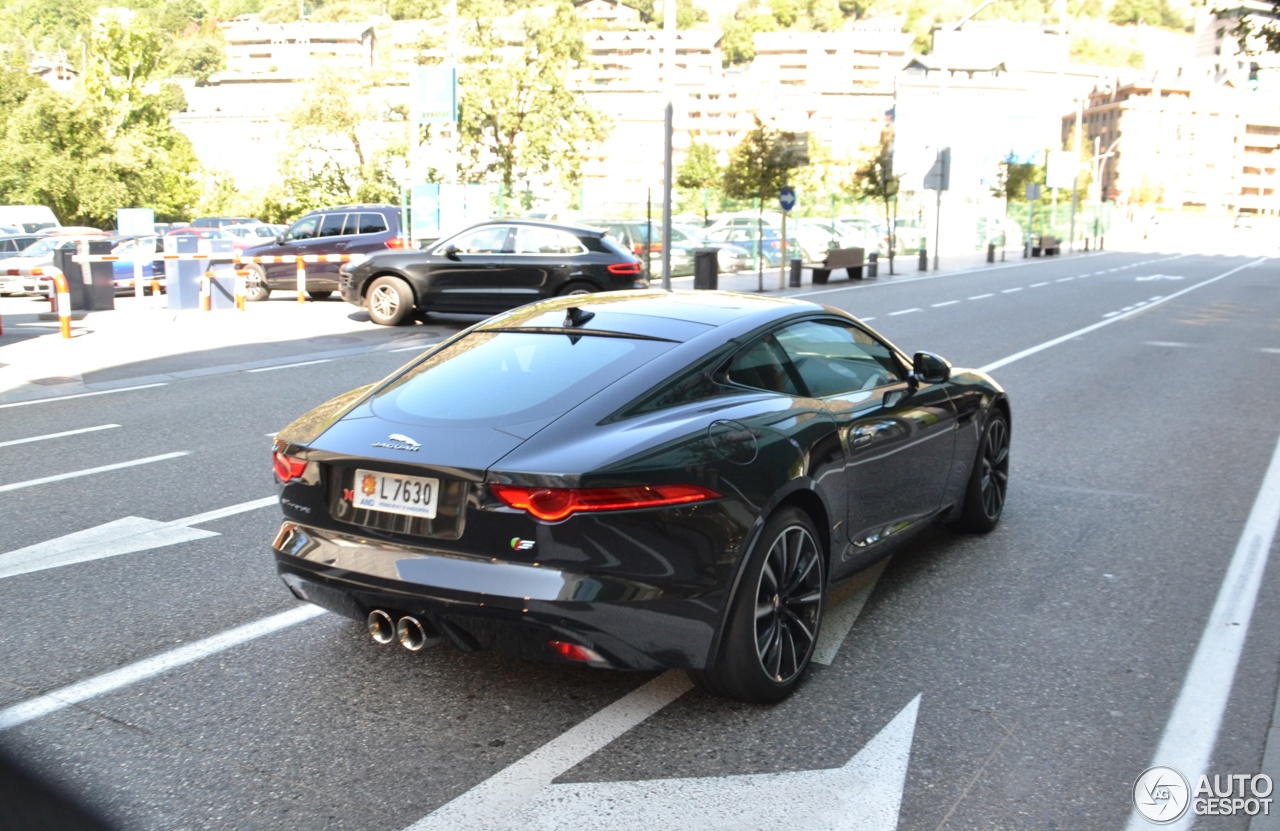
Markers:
<point>787,197</point>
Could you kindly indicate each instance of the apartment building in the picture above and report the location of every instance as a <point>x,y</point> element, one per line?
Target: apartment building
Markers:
<point>1184,138</point>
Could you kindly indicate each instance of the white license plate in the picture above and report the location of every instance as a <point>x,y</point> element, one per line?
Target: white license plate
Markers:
<point>395,494</point>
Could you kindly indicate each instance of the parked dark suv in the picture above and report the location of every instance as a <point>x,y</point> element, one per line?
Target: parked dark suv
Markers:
<point>345,229</point>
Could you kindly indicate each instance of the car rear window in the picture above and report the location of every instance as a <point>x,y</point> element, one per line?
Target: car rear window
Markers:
<point>497,379</point>
<point>367,223</point>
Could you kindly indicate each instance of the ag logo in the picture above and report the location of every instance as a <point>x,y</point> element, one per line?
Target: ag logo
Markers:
<point>518,544</point>
<point>1161,795</point>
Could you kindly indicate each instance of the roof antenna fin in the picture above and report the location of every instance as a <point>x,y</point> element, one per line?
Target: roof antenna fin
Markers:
<point>575,317</point>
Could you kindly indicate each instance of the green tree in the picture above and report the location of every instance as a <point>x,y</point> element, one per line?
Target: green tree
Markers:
<point>520,117</point>
<point>700,171</point>
<point>328,160</point>
<point>1013,176</point>
<point>761,165</point>
<point>110,146</point>
<point>1259,33</point>
<point>874,179</point>
<point>198,56</point>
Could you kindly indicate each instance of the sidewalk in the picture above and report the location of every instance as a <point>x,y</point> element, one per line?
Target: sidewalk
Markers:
<point>143,341</point>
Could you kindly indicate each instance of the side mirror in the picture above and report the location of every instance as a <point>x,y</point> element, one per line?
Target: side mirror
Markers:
<point>451,251</point>
<point>928,368</point>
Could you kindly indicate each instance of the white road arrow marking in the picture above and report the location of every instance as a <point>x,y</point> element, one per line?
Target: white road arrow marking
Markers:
<point>1157,277</point>
<point>123,536</point>
<point>865,794</point>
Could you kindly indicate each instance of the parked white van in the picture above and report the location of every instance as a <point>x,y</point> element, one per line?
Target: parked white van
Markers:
<point>28,218</point>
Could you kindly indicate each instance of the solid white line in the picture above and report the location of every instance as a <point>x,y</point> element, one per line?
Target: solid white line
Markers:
<point>76,474</point>
<point>513,786</point>
<point>58,435</point>
<point>940,305</point>
<point>1026,353</point>
<point>1192,730</point>
<point>1172,343</point>
<point>73,694</point>
<point>80,395</point>
<point>412,348</point>
<point>289,366</point>
<point>902,312</point>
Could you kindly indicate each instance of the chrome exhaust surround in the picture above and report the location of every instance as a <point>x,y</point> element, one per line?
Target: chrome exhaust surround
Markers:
<point>381,627</point>
<point>411,633</point>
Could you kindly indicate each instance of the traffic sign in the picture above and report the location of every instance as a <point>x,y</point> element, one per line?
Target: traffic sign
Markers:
<point>787,197</point>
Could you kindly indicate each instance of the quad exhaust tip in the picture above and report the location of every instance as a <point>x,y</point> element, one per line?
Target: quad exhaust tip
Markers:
<point>381,627</point>
<point>411,633</point>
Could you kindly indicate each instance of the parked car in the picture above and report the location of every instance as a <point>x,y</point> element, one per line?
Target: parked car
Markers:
<point>490,267</point>
<point>642,481</point>
<point>806,242</point>
<point>255,234</point>
<point>644,239</point>
<point>766,241</point>
<point>142,250</point>
<point>729,257</point>
<point>356,230</point>
<point>40,254</point>
<point>222,221</point>
<point>12,244</point>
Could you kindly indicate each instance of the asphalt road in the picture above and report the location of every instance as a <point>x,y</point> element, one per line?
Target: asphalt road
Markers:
<point>1018,680</point>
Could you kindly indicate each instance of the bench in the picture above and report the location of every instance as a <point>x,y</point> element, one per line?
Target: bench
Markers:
<point>850,259</point>
<point>1046,245</point>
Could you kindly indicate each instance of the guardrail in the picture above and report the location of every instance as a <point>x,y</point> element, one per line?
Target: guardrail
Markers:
<point>63,291</point>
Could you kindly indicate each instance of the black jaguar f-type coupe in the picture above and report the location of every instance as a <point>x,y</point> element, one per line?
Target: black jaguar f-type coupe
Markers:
<point>640,480</point>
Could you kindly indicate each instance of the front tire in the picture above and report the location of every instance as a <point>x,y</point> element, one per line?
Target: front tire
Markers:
<point>390,301</point>
<point>989,482</point>
<point>255,284</point>
<point>777,612</point>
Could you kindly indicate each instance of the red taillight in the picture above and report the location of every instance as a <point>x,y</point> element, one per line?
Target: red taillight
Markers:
<point>287,468</point>
<point>397,243</point>
<point>554,504</point>
<point>573,652</point>
<point>624,268</point>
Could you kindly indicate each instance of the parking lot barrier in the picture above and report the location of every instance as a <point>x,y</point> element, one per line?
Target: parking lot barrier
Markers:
<point>207,288</point>
<point>61,298</point>
<point>300,260</point>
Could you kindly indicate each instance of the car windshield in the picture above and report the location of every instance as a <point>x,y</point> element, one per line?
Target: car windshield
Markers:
<point>496,379</point>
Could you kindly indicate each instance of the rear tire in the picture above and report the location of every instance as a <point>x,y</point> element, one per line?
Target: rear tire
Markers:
<point>390,301</point>
<point>989,482</point>
<point>319,295</point>
<point>255,284</point>
<point>576,287</point>
<point>777,612</point>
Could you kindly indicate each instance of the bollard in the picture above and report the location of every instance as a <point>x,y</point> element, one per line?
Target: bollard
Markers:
<point>796,267</point>
<point>991,252</point>
<point>924,259</point>
<point>873,263</point>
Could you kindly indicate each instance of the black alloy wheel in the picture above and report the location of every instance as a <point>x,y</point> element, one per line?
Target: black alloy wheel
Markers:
<point>390,301</point>
<point>776,617</point>
<point>989,482</point>
<point>255,283</point>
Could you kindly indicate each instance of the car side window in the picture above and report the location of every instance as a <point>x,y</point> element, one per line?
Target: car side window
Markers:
<point>534,240</point>
<point>304,228</point>
<point>331,225</point>
<point>834,358</point>
<point>761,367</point>
<point>491,239</point>
<point>368,223</point>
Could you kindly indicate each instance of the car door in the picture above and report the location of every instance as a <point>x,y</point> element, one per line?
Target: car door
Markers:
<point>898,435</point>
<point>293,241</point>
<point>330,238</point>
<point>469,271</point>
<point>541,261</point>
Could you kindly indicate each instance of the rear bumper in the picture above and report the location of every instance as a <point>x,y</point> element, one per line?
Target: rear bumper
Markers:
<point>510,608</point>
